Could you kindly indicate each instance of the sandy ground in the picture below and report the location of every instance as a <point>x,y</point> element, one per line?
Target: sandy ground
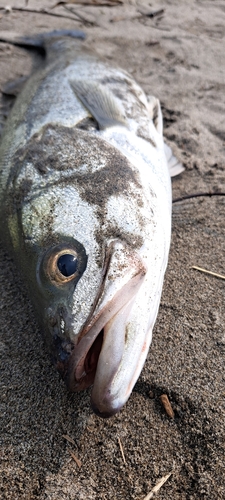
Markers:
<point>179,57</point>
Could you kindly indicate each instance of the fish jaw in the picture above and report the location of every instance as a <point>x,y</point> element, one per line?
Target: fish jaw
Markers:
<point>101,343</point>
<point>107,398</point>
<point>128,336</point>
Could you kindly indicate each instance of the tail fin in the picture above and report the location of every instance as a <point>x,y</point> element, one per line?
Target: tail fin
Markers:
<point>39,41</point>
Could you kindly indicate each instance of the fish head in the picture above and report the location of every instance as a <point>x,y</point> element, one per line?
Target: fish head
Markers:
<point>88,319</point>
<point>88,337</point>
<point>90,354</point>
<point>93,255</point>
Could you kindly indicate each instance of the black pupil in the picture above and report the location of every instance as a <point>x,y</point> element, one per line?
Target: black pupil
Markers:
<point>67,264</point>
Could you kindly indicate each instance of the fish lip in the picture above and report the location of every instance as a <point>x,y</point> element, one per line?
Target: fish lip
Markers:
<point>107,396</point>
<point>106,413</point>
<point>116,295</point>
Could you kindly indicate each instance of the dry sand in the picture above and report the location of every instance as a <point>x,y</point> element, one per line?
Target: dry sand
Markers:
<point>179,57</point>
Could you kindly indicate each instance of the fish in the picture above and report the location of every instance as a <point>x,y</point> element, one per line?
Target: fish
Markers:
<point>85,210</point>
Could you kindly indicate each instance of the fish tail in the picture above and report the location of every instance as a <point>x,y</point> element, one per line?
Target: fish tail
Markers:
<point>41,41</point>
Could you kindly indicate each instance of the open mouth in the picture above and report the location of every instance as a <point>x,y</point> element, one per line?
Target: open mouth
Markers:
<point>96,359</point>
<point>98,343</point>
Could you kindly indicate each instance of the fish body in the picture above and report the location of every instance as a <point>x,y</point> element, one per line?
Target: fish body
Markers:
<point>85,203</point>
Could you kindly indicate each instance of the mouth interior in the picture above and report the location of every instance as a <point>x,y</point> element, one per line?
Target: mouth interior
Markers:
<point>91,359</point>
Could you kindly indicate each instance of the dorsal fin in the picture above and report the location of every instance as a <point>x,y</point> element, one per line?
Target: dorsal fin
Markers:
<point>100,102</point>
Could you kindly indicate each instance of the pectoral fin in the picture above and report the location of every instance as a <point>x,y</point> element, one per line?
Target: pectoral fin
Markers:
<point>175,167</point>
<point>155,113</point>
<point>100,103</point>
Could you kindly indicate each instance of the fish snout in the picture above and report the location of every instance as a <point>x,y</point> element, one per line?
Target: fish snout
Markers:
<point>98,356</point>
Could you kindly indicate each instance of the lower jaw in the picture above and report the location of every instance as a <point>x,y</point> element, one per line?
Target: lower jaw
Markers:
<point>104,414</point>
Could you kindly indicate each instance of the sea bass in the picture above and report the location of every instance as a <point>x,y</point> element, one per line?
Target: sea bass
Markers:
<point>85,203</point>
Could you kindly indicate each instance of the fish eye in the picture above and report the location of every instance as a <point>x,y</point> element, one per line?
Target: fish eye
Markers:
<point>61,265</point>
<point>67,264</point>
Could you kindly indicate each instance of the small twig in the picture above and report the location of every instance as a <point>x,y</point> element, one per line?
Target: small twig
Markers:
<point>78,462</point>
<point>68,438</point>
<point>38,11</point>
<point>95,3</point>
<point>208,272</point>
<point>80,17</point>
<point>152,42</point>
<point>167,405</point>
<point>153,13</point>
<point>157,486</point>
<point>121,449</point>
<point>196,195</point>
